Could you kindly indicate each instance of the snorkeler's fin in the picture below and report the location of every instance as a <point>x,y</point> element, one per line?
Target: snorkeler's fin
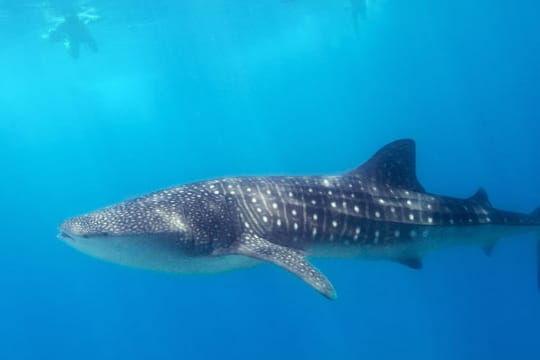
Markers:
<point>91,43</point>
<point>74,48</point>
<point>355,21</point>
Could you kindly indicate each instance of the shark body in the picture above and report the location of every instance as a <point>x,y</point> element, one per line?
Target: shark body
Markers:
<point>378,211</point>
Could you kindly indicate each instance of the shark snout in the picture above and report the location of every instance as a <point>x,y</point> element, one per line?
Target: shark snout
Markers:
<point>71,228</point>
<point>68,231</point>
<point>97,224</point>
<point>79,227</point>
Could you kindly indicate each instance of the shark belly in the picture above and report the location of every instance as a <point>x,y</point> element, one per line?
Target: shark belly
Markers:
<point>159,254</point>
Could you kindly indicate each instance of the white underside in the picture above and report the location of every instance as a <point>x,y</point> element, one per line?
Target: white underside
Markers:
<point>151,254</point>
<point>148,254</point>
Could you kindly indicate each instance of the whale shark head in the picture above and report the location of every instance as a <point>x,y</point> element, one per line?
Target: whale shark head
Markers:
<point>128,219</point>
<point>130,233</point>
<point>165,230</point>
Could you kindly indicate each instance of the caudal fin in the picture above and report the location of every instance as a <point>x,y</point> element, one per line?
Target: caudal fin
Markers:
<point>538,262</point>
<point>536,214</point>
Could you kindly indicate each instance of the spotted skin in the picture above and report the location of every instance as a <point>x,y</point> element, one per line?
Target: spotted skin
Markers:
<point>377,211</point>
<point>288,258</point>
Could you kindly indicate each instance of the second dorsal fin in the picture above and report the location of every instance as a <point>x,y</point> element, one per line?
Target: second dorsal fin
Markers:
<point>481,197</point>
<point>393,165</point>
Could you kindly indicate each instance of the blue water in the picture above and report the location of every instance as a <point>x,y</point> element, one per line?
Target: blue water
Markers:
<point>188,90</point>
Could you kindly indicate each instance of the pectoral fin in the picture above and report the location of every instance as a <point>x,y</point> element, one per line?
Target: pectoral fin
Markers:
<point>411,262</point>
<point>290,259</point>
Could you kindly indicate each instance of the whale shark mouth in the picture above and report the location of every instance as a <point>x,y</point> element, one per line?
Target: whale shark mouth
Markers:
<point>65,236</point>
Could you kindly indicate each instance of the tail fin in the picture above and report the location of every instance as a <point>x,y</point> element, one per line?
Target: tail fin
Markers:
<point>536,214</point>
<point>538,263</point>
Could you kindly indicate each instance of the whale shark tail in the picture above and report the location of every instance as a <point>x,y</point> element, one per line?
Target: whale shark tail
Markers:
<point>538,262</point>
<point>536,214</point>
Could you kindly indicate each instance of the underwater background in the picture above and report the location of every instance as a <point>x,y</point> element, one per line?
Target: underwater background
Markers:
<point>181,91</point>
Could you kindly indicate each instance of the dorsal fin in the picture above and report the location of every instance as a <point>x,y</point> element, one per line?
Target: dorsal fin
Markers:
<point>481,197</point>
<point>394,165</point>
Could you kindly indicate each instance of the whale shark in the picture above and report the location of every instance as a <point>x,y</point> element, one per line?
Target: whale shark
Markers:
<point>378,211</point>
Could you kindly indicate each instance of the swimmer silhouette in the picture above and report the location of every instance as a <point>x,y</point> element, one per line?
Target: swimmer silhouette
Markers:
<point>73,32</point>
<point>358,12</point>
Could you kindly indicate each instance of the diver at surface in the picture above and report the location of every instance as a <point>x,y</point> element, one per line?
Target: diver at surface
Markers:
<point>358,11</point>
<point>73,32</point>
